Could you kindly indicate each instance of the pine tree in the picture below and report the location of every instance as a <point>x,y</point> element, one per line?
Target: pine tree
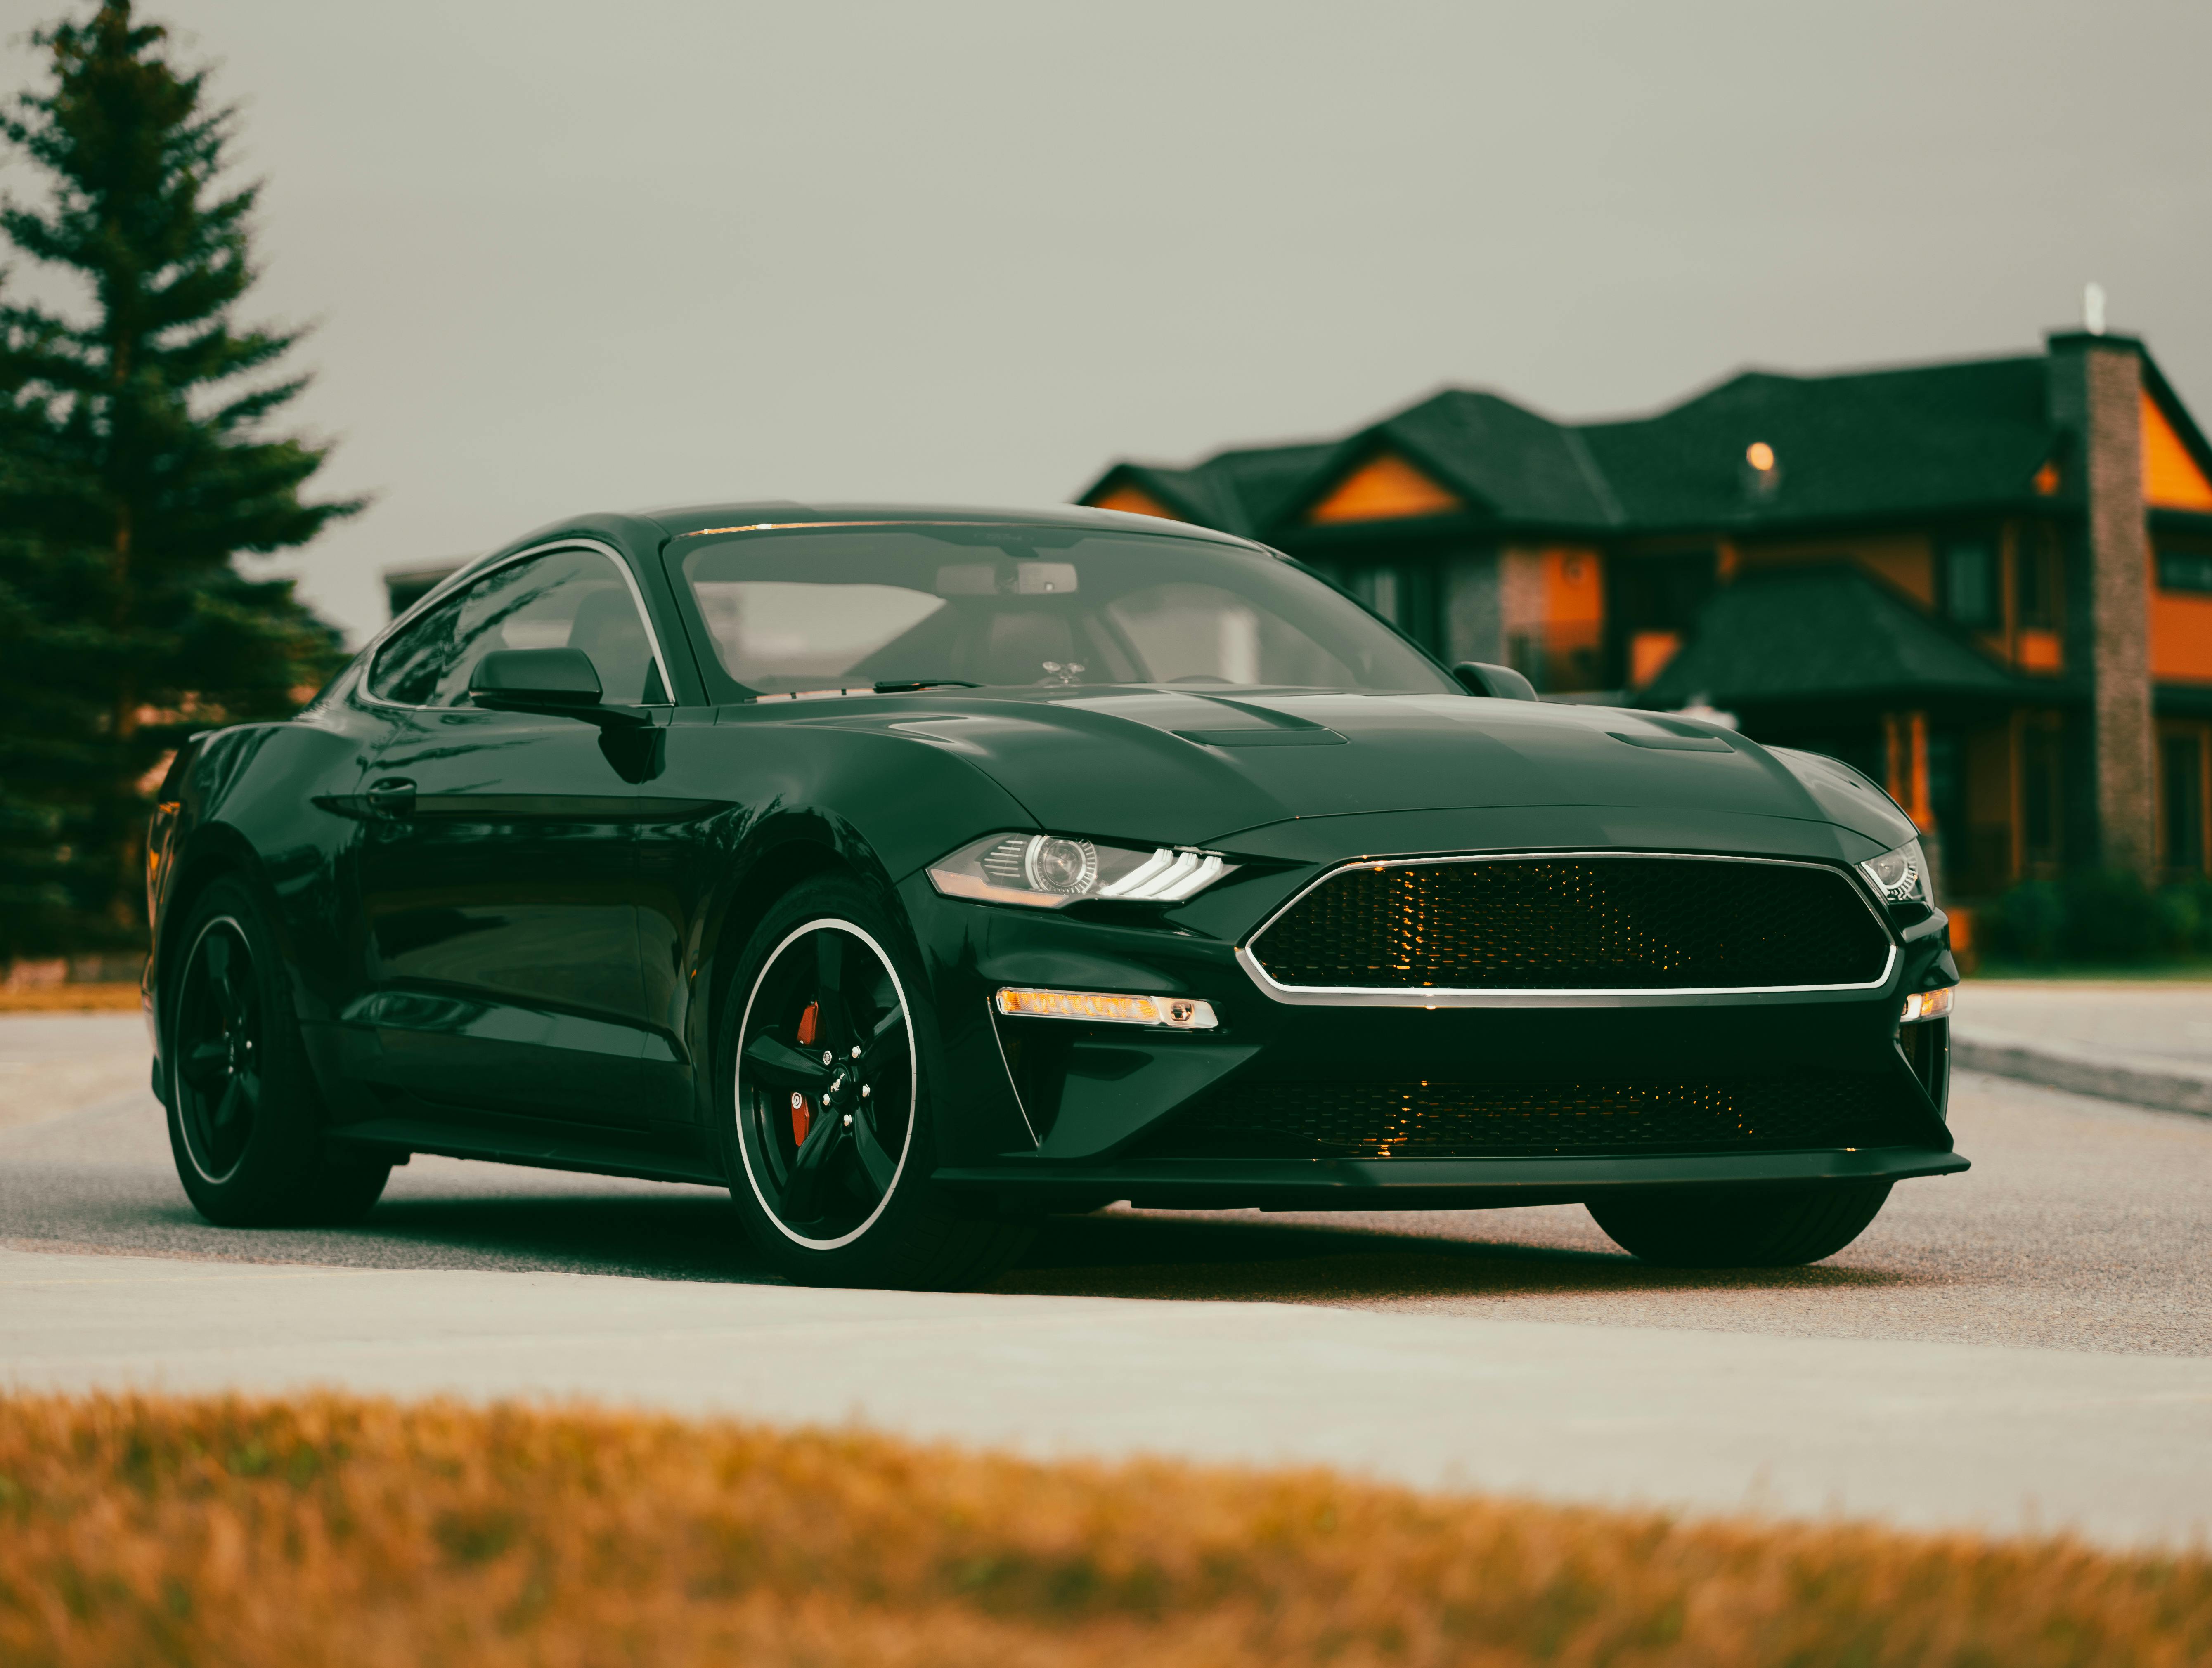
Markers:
<point>135,465</point>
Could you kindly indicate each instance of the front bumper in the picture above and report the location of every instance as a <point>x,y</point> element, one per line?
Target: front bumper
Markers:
<point>1069,1114</point>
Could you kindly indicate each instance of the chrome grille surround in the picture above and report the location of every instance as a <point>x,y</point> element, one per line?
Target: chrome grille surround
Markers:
<point>1426,996</point>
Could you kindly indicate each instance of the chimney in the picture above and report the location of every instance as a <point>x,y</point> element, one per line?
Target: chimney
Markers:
<point>2096,399</point>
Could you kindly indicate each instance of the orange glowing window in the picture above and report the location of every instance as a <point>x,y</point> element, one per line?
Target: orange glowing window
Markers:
<point>2172,478</point>
<point>1384,488</point>
<point>1136,502</point>
<point>1649,652</point>
<point>2046,479</point>
<point>2041,652</point>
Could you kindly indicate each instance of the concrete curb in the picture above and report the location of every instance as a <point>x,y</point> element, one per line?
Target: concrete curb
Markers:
<point>2084,1072</point>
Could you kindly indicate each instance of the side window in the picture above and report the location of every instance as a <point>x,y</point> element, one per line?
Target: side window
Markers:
<point>408,667</point>
<point>563,599</point>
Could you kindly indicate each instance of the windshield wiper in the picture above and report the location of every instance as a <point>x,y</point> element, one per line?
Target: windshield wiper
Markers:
<point>905,686</point>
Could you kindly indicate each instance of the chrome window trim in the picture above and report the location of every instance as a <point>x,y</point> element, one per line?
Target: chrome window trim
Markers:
<point>469,576</point>
<point>1401,996</point>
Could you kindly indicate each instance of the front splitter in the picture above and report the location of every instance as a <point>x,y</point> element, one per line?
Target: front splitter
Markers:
<point>1423,1184</point>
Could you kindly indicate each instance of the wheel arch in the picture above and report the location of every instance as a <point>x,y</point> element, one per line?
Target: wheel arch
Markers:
<point>796,847</point>
<point>215,852</point>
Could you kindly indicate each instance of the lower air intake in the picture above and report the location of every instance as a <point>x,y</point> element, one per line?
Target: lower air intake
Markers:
<point>1488,1120</point>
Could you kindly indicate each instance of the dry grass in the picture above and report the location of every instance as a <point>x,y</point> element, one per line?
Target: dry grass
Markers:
<point>331,1529</point>
<point>70,998</point>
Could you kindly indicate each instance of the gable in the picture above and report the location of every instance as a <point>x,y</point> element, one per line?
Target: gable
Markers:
<point>2172,478</point>
<point>1135,500</point>
<point>1386,487</point>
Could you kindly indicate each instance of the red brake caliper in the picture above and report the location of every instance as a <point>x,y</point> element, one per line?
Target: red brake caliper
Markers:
<point>802,1115</point>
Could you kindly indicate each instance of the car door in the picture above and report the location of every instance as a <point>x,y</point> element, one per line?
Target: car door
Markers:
<point>497,868</point>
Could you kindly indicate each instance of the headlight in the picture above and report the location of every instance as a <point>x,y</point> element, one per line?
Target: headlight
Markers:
<point>1048,872</point>
<point>1901,876</point>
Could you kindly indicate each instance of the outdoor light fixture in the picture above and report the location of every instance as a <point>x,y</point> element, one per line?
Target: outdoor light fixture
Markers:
<point>1928,1004</point>
<point>1899,877</point>
<point>1048,872</point>
<point>1180,1013</point>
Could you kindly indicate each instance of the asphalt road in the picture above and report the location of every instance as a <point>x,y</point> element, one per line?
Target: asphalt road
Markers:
<point>2149,1023</point>
<point>2028,1343</point>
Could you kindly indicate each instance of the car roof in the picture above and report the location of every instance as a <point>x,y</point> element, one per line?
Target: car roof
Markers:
<point>784,513</point>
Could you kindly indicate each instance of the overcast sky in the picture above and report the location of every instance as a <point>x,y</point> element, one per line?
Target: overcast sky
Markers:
<point>567,256</point>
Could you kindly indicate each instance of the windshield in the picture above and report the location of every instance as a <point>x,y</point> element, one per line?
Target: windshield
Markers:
<point>795,611</point>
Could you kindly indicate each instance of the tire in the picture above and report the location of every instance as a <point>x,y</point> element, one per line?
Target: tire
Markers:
<point>827,1032</point>
<point>1739,1229</point>
<point>246,1120</point>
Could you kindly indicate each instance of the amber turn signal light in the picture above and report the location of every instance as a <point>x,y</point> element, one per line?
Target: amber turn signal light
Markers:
<point>1928,1004</point>
<point>1180,1013</point>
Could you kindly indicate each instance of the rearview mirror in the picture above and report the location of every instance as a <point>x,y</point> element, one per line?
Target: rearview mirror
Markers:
<point>1479,677</point>
<point>545,680</point>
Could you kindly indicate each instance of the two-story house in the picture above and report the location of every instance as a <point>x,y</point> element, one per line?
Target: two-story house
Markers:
<point>1987,584</point>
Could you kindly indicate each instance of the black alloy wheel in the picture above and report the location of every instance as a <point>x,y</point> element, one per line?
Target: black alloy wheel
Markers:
<point>220,1050</point>
<point>826,1053</point>
<point>826,1082</point>
<point>246,1116</point>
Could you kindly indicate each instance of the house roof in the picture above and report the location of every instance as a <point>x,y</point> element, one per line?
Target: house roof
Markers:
<point>1857,444</point>
<point>1870,443</point>
<point>1820,633</point>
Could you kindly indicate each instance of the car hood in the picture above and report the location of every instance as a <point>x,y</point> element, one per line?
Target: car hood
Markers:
<point>1154,766</point>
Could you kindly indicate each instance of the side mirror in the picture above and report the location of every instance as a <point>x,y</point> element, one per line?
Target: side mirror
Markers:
<point>1479,677</point>
<point>545,680</point>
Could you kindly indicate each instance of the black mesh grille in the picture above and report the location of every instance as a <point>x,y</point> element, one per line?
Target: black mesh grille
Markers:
<point>1482,1120</point>
<point>1600,923</point>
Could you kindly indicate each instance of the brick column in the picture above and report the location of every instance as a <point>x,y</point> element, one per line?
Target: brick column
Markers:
<point>2096,396</point>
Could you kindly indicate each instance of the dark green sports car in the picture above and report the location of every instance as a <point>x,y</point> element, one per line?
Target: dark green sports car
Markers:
<point>916,873</point>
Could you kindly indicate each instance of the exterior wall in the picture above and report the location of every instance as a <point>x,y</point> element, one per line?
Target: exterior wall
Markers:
<point>1521,598</point>
<point>1574,614</point>
<point>2180,622</point>
<point>1906,561</point>
<point>1473,609</point>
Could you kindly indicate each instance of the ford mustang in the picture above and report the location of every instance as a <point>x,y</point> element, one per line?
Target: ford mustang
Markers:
<point>915,874</point>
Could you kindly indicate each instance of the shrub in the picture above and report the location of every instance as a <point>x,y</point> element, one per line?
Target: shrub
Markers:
<point>2029,923</point>
<point>2180,919</point>
<point>2111,916</point>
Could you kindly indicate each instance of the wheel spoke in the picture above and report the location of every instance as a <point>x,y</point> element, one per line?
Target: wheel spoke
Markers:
<point>806,1170</point>
<point>880,1165</point>
<point>203,1066</point>
<point>779,1064</point>
<point>885,1044</point>
<point>227,1110</point>
<point>222,976</point>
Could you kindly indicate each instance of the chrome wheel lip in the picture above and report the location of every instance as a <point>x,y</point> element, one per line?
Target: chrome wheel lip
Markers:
<point>746,1157</point>
<point>178,1087</point>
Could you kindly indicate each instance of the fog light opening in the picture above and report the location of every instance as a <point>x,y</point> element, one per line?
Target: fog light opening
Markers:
<point>1928,1004</point>
<point>1178,1013</point>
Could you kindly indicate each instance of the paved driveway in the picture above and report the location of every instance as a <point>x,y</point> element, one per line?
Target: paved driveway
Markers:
<point>2030,1343</point>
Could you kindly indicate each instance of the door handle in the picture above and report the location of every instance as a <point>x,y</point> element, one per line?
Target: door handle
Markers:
<point>391,796</point>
